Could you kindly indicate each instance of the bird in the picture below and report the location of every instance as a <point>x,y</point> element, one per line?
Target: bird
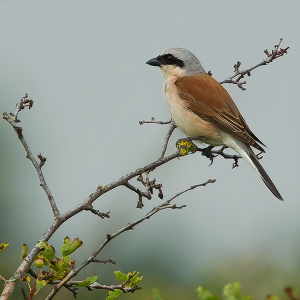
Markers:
<point>203,109</point>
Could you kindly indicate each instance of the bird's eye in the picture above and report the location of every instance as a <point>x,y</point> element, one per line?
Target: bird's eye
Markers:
<point>169,56</point>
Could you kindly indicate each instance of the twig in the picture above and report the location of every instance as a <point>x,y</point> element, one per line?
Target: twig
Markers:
<point>129,226</point>
<point>153,121</point>
<point>34,286</point>
<point>98,212</point>
<point>73,290</point>
<point>167,138</point>
<point>24,102</point>
<point>24,297</point>
<point>86,204</point>
<point>99,286</point>
<point>290,293</point>
<point>2,279</point>
<point>104,261</point>
<point>19,131</point>
<point>42,160</point>
<point>25,265</point>
<point>138,191</point>
<point>276,52</point>
<point>190,188</point>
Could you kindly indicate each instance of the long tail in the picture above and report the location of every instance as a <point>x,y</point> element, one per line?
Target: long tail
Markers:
<point>246,152</point>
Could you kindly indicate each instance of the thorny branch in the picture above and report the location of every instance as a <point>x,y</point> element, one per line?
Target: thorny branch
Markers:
<point>59,219</point>
<point>167,204</point>
<point>238,75</point>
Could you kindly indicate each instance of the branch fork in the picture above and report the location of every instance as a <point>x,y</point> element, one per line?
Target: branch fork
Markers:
<point>142,175</point>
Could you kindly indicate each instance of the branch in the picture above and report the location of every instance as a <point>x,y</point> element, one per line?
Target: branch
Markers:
<point>235,79</point>
<point>167,138</point>
<point>24,102</point>
<point>3,279</point>
<point>290,293</point>
<point>153,121</point>
<point>99,286</point>
<point>129,226</point>
<point>104,261</point>
<point>59,219</point>
<point>98,212</point>
<point>139,192</point>
<point>12,120</point>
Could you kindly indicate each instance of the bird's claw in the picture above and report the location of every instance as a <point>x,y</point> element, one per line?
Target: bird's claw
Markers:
<point>207,153</point>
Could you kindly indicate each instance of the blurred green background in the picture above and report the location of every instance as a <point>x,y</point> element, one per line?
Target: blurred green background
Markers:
<point>83,64</point>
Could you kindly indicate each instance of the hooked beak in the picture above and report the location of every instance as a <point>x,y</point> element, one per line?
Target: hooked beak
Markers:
<point>154,62</point>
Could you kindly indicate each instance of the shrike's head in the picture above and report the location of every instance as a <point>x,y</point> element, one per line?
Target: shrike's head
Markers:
<point>177,61</point>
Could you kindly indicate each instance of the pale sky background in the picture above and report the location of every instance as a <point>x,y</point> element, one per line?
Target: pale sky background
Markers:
<point>83,64</point>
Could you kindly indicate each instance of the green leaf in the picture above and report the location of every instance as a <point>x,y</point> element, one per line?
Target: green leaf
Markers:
<point>155,295</point>
<point>204,294</point>
<point>61,267</point>
<point>48,253</point>
<point>134,279</point>
<point>114,294</point>
<point>233,291</point>
<point>40,284</point>
<point>3,246</point>
<point>67,248</point>
<point>24,251</point>
<point>88,281</point>
<point>121,276</point>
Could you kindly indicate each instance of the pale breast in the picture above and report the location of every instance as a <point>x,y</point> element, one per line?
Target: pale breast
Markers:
<point>188,122</point>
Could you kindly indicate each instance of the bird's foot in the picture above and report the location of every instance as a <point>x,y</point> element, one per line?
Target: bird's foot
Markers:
<point>207,153</point>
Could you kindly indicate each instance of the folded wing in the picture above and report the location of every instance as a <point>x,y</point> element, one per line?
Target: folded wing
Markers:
<point>207,98</point>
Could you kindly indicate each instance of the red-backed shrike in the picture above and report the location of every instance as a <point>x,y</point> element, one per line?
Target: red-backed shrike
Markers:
<point>202,108</point>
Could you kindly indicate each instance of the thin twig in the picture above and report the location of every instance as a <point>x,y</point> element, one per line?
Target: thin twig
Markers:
<point>276,53</point>
<point>99,286</point>
<point>153,121</point>
<point>138,191</point>
<point>2,279</point>
<point>19,131</point>
<point>167,138</point>
<point>129,226</point>
<point>24,297</point>
<point>290,293</point>
<point>85,205</point>
<point>98,212</point>
<point>24,102</point>
<point>190,188</point>
<point>25,265</point>
<point>104,261</point>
